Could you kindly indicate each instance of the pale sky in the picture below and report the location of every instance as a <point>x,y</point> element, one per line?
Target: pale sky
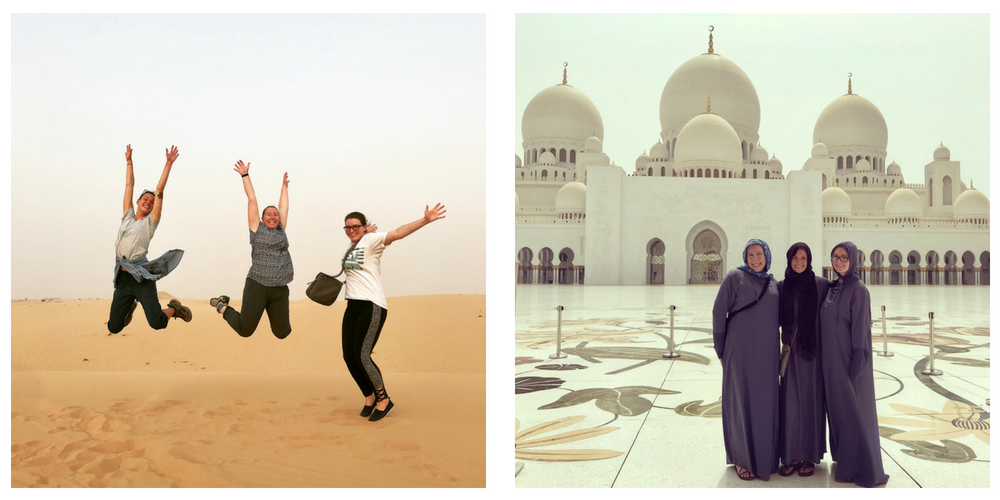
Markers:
<point>383,114</point>
<point>927,74</point>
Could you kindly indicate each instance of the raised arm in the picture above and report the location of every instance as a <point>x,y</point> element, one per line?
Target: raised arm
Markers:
<point>283,202</point>
<point>430,215</point>
<point>252,218</point>
<point>158,201</point>
<point>129,180</point>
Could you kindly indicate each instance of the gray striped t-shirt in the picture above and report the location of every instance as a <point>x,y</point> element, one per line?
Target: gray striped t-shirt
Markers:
<point>271,264</point>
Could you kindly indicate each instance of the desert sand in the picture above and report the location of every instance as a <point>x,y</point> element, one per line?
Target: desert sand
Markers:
<point>195,405</point>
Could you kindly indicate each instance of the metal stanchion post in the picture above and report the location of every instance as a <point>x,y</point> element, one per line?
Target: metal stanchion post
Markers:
<point>931,370</point>
<point>672,354</point>
<point>558,354</point>
<point>885,339</point>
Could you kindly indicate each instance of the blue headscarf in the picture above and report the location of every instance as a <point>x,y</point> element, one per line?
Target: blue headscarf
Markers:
<point>767,259</point>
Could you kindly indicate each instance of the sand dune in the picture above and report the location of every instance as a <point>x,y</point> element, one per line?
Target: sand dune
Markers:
<point>195,405</point>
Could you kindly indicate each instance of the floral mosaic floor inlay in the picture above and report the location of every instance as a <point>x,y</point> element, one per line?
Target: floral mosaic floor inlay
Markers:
<point>617,412</point>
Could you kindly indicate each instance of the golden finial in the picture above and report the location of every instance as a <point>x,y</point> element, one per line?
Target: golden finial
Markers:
<point>849,83</point>
<point>971,185</point>
<point>564,72</point>
<point>709,105</point>
<point>902,184</point>
<point>710,30</point>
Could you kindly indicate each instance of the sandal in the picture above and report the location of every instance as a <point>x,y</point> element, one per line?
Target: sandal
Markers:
<point>744,474</point>
<point>807,465</point>
<point>789,469</point>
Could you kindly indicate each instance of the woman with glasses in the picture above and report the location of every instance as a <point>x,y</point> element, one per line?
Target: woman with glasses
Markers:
<point>846,352</point>
<point>366,304</point>
<point>745,331</point>
<point>802,439</point>
<point>266,286</point>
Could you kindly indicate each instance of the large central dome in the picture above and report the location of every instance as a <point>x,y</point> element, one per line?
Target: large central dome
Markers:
<point>710,75</point>
<point>561,112</point>
<point>851,121</point>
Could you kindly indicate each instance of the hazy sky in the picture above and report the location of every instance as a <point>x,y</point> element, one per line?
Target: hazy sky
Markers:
<point>927,74</point>
<point>378,113</point>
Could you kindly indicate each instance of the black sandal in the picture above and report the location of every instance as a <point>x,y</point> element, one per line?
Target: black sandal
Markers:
<point>789,469</point>
<point>743,474</point>
<point>803,472</point>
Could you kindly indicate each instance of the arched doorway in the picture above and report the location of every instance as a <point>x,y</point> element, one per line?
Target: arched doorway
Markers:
<point>654,261</point>
<point>950,268</point>
<point>524,266</point>
<point>912,268</point>
<point>968,268</point>
<point>862,270</point>
<point>984,268</point>
<point>545,266</point>
<point>933,272</point>
<point>895,268</point>
<point>566,267</point>
<point>706,263</point>
<point>877,275</point>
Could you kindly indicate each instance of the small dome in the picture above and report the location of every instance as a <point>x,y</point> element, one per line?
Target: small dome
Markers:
<point>942,153</point>
<point>658,151</point>
<point>593,145</point>
<point>707,138</point>
<point>572,198</point>
<point>836,202</point>
<point>903,202</point>
<point>972,203</point>
<point>758,155</point>
<point>775,164</point>
<point>517,161</point>
<point>547,158</point>
<point>863,166</point>
<point>851,121</point>
<point>642,160</point>
<point>820,151</point>
<point>561,112</point>
<point>893,169</point>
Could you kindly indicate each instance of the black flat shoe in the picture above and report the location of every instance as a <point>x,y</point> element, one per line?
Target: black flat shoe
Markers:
<point>380,414</point>
<point>367,410</point>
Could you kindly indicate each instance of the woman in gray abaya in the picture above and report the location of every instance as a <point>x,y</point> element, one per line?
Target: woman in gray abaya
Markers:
<point>846,352</point>
<point>802,439</point>
<point>748,349</point>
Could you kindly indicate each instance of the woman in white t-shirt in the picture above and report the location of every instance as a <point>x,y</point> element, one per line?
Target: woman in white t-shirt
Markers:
<point>366,304</point>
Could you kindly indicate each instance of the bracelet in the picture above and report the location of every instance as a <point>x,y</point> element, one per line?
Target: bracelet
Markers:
<point>246,174</point>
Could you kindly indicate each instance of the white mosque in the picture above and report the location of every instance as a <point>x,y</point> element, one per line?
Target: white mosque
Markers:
<point>685,212</point>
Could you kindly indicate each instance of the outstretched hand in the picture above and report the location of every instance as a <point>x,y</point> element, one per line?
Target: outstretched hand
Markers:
<point>128,153</point>
<point>172,154</point>
<point>242,169</point>
<point>371,228</point>
<point>284,181</point>
<point>433,214</point>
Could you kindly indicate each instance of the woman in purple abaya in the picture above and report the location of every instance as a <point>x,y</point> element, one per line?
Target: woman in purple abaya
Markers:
<point>802,439</point>
<point>747,345</point>
<point>846,352</point>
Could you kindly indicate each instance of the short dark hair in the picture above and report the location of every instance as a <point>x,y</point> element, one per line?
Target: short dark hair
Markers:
<point>357,215</point>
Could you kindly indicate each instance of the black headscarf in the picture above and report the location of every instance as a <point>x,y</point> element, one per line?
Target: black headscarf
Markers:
<point>801,288</point>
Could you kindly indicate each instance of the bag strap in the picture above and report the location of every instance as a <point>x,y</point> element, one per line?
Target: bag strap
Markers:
<point>342,261</point>
<point>748,306</point>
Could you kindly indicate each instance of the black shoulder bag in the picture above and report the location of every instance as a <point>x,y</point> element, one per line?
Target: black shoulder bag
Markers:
<point>748,306</point>
<point>325,288</point>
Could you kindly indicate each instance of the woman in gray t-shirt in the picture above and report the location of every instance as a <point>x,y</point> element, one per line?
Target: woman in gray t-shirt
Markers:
<point>266,286</point>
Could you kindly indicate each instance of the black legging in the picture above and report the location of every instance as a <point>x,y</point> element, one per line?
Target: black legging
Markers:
<point>127,291</point>
<point>257,298</point>
<point>363,322</point>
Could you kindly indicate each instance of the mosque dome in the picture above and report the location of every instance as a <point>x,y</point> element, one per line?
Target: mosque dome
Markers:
<point>942,153</point>
<point>758,155</point>
<point>642,160</point>
<point>658,151</point>
<point>836,202</point>
<point>517,161</point>
<point>893,169</point>
<point>593,145</point>
<point>708,139</point>
<point>561,112</point>
<point>851,120</point>
<point>903,202</point>
<point>863,166</point>
<point>547,158</point>
<point>775,164</point>
<point>972,203</point>
<point>710,76</point>
<point>820,151</point>
<point>572,198</point>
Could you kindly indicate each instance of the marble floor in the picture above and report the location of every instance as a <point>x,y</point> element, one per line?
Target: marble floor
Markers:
<point>615,413</point>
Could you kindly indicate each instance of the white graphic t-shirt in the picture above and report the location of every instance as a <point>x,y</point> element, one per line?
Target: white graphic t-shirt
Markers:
<point>363,270</point>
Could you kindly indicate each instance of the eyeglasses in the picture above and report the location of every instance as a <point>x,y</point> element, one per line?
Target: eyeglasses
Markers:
<point>353,228</point>
<point>840,259</point>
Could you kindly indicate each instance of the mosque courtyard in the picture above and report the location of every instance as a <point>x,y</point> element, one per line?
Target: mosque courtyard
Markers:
<point>616,413</point>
